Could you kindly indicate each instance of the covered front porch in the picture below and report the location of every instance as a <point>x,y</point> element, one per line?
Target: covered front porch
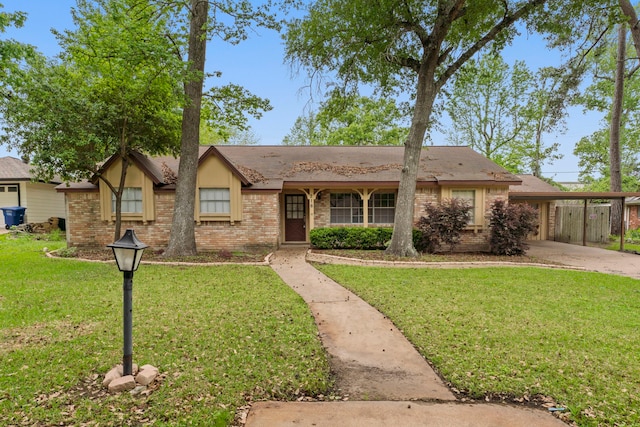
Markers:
<point>307,208</point>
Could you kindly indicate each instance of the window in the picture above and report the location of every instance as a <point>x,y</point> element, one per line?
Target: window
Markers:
<point>382,208</point>
<point>131,200</point>
<point>346,208</point>
<point>294,205</point>
<point>470,197</point>
<point>215,201</point>
<point>12,189</point>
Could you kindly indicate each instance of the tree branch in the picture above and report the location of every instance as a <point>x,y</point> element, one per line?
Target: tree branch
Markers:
<point>504,23</point>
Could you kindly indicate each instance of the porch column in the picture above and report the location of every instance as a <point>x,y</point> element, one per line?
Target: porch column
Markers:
<point>311,194</point>
<point>365,195</point>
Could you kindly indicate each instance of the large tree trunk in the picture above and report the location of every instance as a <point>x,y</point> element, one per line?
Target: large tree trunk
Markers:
<point>182,240</point>
<point>634,24</point>
<point>615,182</point>
<point>402,238</point>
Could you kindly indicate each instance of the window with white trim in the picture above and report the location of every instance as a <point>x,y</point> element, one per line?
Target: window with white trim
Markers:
<point>131,200</point>
<point>215,201</point>
<point>346,208</point>
<point>382,208</point>
<point>468,196</point>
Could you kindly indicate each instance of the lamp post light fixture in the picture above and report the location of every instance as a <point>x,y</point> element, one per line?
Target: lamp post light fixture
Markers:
<point>128,253</point>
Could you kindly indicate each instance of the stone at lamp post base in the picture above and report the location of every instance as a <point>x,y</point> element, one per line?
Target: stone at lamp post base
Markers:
<point>136,383</point>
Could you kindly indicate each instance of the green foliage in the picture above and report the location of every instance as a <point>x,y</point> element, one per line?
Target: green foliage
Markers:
<point>350,120</point>
<point>219,335</point>
<point>593,154</point>
<point>225,109</point>
<point>12,52</point>
<point>485,113</point>
<point>560,334</point>
<point>114,88</point>
<point>505,128</point>
<point>593,150</point>
<point>415,50</point>
<point>350,237</point>
<point>69,252</point>
<point>443,223</point>
<point>509,225</point>
<point>632,236</point>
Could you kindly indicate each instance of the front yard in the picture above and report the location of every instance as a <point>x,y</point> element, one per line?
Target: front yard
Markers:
<point>221,337</point>
<point>519,334</point>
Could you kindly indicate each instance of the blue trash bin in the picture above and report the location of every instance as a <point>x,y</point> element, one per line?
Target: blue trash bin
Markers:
<point>13,215</point>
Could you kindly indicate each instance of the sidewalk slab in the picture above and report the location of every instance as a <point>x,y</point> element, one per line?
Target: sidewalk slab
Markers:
<point>385,414</point>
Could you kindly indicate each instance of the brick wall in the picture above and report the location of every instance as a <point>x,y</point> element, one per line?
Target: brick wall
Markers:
<point>476,240</point>
<point>259,228</point>
<point>634,220</point>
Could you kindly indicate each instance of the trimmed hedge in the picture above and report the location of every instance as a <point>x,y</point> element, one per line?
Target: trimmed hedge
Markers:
<point>353,237</point>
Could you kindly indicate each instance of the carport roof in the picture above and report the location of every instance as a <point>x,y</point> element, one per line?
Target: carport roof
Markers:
<point>571,195</point>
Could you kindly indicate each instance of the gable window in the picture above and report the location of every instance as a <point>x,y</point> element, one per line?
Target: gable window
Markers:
<point>131,200</point>
<point>215,201</point>
<point>468,196</point>
<point>382,208</point>
<point>346,208</point>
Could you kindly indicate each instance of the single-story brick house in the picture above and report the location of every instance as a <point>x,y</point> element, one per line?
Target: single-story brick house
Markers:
<point>18,187</point>
<point>251,197</point>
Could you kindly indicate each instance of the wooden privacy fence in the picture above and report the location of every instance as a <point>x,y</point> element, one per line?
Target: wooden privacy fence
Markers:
<point>570,224</point>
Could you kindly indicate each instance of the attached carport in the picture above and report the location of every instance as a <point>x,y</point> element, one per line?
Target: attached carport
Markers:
<point>578,195</point>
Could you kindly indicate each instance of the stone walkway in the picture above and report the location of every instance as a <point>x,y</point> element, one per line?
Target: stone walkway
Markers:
<point>387,381</point>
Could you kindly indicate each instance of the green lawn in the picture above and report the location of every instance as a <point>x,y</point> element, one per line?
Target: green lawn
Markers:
<point>519,332</point>
<point>219,335</point>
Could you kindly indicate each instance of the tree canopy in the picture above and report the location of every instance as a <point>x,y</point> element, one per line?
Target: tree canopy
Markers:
<point>415,47</point>
<point>350,120</point>
<point>113,89</point>
<point>593,150</point>
<point>504,112</point>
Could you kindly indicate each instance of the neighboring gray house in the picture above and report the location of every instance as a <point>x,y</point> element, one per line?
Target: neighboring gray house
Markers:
<point>18,188</point>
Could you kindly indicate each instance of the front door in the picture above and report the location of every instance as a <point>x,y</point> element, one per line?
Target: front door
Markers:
<point>295,221</point>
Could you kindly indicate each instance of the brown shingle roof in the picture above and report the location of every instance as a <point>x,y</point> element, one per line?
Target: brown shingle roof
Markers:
<point>356,164</point>
<point>533,184</point>
<point>263,167</point>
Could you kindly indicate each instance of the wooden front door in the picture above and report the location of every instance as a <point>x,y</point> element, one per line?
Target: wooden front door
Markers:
<point>295,219</point>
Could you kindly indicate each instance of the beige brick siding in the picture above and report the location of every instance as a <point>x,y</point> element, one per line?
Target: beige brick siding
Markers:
<point>259,228</point>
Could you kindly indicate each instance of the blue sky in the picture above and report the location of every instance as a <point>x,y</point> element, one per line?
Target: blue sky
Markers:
<point>258,65</point>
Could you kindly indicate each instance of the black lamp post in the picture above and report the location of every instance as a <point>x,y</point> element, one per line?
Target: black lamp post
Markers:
<point>128,253</point>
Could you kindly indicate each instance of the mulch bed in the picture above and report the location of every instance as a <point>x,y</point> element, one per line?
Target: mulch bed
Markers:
<point>106,254</point>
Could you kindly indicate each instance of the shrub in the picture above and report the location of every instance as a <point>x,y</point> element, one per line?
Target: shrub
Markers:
<point>69,252</point>
<point>442,224</point>
<point>350,238</point>
<point>509,227</point>
<point>632,236</point>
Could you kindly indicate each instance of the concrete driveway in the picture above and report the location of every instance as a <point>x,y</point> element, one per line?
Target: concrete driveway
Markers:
<point>586,257</point>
